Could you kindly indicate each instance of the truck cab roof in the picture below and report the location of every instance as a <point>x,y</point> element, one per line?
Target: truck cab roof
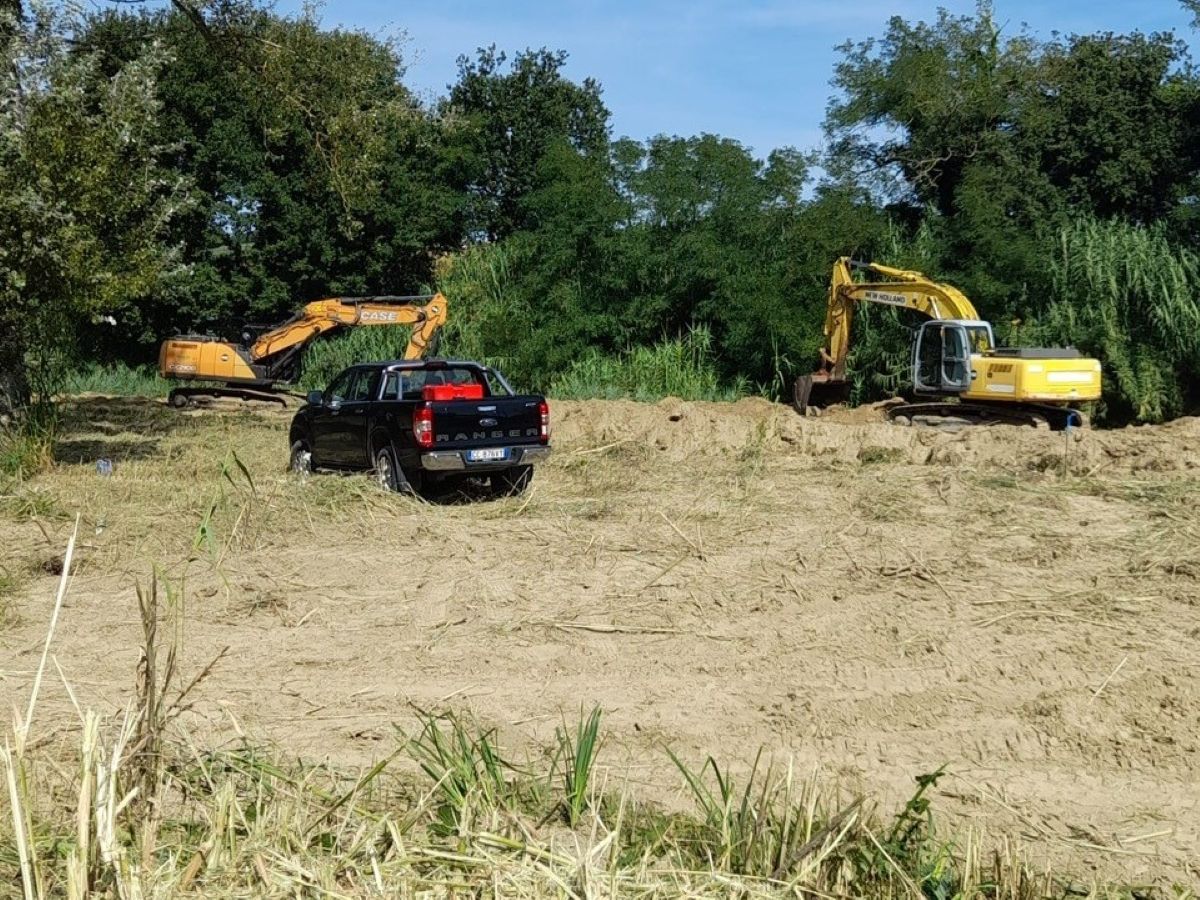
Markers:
<point>398,364</point>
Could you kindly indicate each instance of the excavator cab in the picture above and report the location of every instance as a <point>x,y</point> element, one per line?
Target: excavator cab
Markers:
<point>942,354</point>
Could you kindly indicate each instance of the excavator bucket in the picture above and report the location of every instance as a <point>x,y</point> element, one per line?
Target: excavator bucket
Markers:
<point>819,390</point>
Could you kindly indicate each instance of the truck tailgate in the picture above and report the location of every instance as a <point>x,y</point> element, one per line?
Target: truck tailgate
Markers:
<point>491,422</point>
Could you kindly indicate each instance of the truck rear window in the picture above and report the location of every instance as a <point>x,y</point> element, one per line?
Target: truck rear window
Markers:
<point>410,384</point>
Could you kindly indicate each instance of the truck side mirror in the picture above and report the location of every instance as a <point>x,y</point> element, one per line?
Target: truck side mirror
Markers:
<point>315,398</point>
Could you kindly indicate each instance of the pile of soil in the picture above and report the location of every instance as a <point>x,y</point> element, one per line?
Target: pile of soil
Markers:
<point>678,429</point>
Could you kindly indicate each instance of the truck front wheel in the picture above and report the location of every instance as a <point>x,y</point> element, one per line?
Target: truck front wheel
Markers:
<point>300,462</point>
<point>512,481</point>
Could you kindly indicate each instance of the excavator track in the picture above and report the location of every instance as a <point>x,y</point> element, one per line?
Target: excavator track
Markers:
<point>181,397</point>
<point>1035,415</point>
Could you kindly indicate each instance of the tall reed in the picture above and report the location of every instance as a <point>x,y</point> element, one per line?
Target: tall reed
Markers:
<point>1126,294</point>
<point>678,367</point>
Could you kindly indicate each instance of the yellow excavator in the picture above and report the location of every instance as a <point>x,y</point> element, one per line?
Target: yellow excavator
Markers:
<point>954,358</point>
<point>252,369</point>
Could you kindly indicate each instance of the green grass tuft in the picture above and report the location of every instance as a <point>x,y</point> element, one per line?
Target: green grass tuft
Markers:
<point>467,769</point>
<point>117,379</point>
<point>25,451</point>
<point>576,759</point>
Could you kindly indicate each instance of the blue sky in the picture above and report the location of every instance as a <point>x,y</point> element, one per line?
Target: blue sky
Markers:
<point>757,70</point>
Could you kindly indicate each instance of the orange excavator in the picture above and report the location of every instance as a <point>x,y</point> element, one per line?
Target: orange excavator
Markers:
<point>253,369</point>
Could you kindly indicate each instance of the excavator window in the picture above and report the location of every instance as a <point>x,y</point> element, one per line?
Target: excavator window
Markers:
<point>929,360</point>
<point>981,338</point>
<point>955,355</point>
<point>942,360</point>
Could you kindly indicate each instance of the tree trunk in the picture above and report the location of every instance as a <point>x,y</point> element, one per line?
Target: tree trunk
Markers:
<point>14,381</point>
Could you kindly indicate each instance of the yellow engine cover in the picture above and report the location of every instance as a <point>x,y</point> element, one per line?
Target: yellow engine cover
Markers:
<point>203,360</point>
<point>1034,380</point>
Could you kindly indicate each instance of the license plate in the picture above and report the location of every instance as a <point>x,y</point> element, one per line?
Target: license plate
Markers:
<point>487,455</point>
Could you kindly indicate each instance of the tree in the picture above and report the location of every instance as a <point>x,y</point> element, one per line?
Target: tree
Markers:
<point>718,230</point>
<point>998,141</point>
<point>924,102</point>
<point>84,199</point>
<point>514,118</point>
<point>1109,122</point>
<point>313,170</point>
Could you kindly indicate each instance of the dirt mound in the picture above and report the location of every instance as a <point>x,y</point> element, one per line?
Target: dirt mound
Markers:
<point>677,430</point>
<point>672,427</point>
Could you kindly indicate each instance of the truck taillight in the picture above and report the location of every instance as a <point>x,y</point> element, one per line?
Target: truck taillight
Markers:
<point>544,409</point>
<point>423,425</point>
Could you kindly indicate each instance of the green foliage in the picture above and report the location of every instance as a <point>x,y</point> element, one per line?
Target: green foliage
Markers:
<point>25,451</point>
<point>84,197</point>
<point>115,378</point>
<point>234,493</point>
<point>489,319</point>
<point>1099,122</point>
<point>465,766</point>
<point>754,830</point>
<point>382,832</point>
<point>324,358</point>
<point>576,759</point>
<point>768,828</point>
<point>674,234</point>
<point>880,360</point>
<point>1127,294</point>
<point>311,169</point>
<point>201,169</point>
<point>514,120</point>
<point>940,92</point>
<point>681,367</point>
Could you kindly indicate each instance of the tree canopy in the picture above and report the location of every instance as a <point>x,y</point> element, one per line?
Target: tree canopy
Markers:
<point>202,167</point>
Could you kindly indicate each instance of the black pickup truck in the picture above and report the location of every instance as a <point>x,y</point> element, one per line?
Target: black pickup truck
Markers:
<point>421,424</point>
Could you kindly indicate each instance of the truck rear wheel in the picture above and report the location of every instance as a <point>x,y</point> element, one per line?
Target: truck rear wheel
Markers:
<point>389,474</point>
<point>512,481</point>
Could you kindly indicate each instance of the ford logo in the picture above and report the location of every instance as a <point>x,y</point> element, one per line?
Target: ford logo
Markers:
<point>488,423</point>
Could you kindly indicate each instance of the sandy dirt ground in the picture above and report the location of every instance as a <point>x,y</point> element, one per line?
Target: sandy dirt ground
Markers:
<point>873,601</point>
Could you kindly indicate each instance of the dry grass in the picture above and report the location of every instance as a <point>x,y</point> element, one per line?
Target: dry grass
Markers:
<point>709,545</point>
<point>140,809</point>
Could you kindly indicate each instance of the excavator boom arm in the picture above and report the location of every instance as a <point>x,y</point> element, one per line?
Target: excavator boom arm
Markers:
<point>892,287</point>
<point>322,316</point>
